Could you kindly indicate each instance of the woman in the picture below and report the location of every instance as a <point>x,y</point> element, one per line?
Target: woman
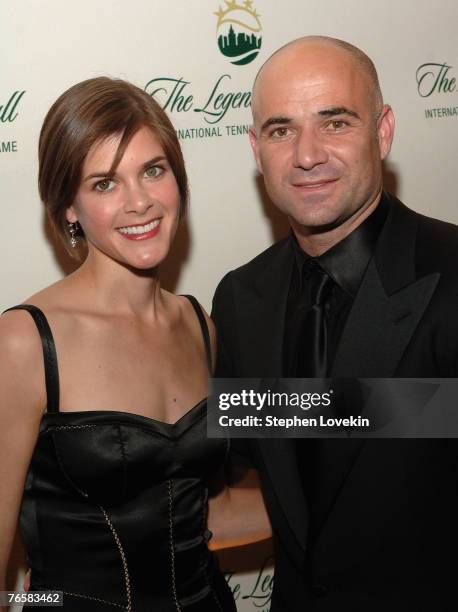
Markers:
<point>116,468</point>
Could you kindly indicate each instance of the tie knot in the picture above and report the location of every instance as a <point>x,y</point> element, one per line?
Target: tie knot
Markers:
<point>320,284</point>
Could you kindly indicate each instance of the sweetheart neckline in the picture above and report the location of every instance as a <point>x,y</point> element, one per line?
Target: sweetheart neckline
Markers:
<point>125,413</point>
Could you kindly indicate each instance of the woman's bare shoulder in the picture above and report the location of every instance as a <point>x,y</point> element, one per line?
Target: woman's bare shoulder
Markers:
<point>22,366</point>
<point>59,295</point>
<point>186,306</point>
<point>21,347</point>
<point>19,336</point>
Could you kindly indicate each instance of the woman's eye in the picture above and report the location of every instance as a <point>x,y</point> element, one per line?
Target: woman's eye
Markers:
<point>154,171</point>
<point>104,185</point>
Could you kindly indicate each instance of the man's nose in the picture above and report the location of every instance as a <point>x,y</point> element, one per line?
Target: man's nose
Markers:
<point>137,198</point>
<point>309,150</point>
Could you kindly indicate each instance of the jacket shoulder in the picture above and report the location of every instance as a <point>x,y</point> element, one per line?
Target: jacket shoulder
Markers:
<point>435,241</point>
<point>437,244</point>
<point>251,270</point>
<point>438,230</point>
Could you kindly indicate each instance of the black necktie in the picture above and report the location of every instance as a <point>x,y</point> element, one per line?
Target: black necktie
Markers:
<point>312,349</point>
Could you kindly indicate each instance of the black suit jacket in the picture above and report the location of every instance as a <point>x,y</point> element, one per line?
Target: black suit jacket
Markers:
<point>385,518</point>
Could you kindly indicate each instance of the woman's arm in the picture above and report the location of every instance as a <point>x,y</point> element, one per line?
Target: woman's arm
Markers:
<point>236,512</point>
<point>21,408</point>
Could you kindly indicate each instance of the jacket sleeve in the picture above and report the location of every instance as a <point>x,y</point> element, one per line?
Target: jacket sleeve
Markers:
<point>224,316</point>
<point>227,359</point>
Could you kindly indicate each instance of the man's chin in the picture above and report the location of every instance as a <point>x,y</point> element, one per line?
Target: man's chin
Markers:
<point>315,224</point>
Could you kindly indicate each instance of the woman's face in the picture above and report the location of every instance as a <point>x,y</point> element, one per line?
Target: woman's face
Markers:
<point>130,216</point>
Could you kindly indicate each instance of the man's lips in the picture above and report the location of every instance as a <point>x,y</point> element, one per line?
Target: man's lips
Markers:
<point>140,232</point>
<point>314,184</point>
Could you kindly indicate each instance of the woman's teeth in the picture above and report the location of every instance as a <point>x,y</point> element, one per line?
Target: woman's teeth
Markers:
<point>139,229</point>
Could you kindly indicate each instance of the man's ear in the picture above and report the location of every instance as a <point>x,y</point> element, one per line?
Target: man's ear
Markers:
<point>385,130</point>
<point>254,145</point>
<point>70,215</point>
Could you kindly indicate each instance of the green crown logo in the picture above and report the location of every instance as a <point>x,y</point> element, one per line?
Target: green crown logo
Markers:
<point>238,30</point>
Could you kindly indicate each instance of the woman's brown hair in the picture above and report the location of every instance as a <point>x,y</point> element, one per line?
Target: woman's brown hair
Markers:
<point>89,112</point>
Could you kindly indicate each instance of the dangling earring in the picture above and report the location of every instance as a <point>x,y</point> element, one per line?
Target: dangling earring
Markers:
<point>73,228</point>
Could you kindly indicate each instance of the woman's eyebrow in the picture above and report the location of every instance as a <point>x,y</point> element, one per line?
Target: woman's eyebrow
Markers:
<point>108,174</point>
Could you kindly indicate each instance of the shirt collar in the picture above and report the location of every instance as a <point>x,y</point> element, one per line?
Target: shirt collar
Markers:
<point>347,260</point>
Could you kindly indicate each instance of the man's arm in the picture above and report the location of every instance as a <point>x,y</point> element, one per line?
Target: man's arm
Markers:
<point>228,354</point>
<point>224,316</point>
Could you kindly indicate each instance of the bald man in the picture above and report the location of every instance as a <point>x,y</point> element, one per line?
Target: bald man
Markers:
<point>358,525</point>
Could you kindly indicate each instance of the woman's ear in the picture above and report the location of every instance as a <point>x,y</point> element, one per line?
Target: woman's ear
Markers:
<point>70,215</point>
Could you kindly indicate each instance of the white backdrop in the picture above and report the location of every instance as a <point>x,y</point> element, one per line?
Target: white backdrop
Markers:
<point>48,45</point>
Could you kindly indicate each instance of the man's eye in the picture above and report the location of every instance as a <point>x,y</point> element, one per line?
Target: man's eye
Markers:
<point>104,185</point>
<point>279,132</point>
<point>154,171</point>
<point>337,125</point>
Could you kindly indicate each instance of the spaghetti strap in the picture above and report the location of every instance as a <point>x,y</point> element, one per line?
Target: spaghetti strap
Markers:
<point>204,327</point>
<point>49,355</point>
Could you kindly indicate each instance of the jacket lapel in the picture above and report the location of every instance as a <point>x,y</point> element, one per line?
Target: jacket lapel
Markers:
<point>380,326</point>
<point>261,316</point>
<point>385,314</point>
<point>389,305</point>
<point>280,460</point>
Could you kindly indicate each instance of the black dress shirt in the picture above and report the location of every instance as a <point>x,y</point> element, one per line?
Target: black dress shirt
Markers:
<point>345,263</point>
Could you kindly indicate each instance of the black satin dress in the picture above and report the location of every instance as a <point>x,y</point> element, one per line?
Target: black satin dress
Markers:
<point>114,512</point>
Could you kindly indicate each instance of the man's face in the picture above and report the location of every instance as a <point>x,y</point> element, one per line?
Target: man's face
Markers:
<point>316,137</point>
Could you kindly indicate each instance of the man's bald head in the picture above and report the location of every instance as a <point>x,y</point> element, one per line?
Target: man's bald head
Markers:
<point>309,47</point>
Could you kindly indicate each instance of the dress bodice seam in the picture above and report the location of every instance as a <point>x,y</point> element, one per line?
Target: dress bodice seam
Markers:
<point>148,429</point>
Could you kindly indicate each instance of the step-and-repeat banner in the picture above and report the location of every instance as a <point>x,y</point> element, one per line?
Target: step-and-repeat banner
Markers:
<point>199,58</point>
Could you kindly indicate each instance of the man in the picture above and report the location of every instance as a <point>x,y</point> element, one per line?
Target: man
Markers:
<point>358,525</point>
